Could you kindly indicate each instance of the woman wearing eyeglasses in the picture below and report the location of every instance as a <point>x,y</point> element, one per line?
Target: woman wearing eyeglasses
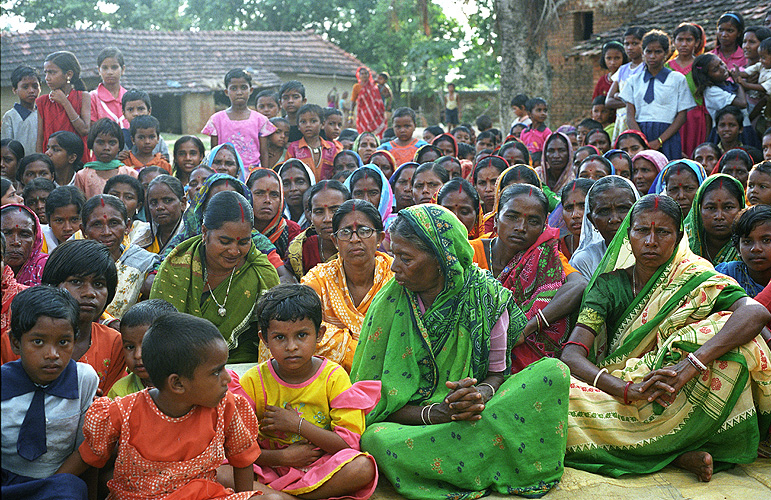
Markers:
<point>348,284</point>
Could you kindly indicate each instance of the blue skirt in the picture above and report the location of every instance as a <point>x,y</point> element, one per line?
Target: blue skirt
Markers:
<point>56,487</point>
<point>672,147</point>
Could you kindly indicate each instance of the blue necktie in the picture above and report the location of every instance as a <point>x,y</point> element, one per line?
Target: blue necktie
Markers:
<point>32,433</point>
<point>649,92</point>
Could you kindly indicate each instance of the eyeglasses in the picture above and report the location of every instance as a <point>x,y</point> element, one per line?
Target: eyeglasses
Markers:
<point>363,232</point>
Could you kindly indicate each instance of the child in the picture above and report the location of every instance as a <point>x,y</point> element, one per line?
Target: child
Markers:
<point>613,56</point>
<point>189,152</point>
<point>520,112</point>
<point>461,134</point>
<point>485,140</point>
<point>20,122</point>
<point>311,149</point>
<point>404,147</point>
<point>658,99</point>
<point>767,144</point>
<point>602,114</point>
<point>267,104</point>
<point>728,42</point>
<point>137,103</point>
<point>762,68</point>
<point>633,48</point>
<point>66,152</point>
<point>68,105</point>
<point>45,395</point>
<point>451,107</point>
<point>345,106</point>
<point>385,92</point>
<point>11,153</point>
<point>106,141</point>
<point>759,184</point>
<point>728,128</point>
<point>106,99</point>
<point>292,97</point>
<point>306,404</point>
<point>145,131</point>
<point>63,208</point>
<point>277,142</point>
<point>333,125</point>
<point>130,191</point>
<point>246,129</point>
<point>535,136</point>
<point>33,166</point>
<point>483,123</point>
<point>35,195</point>
<point>86,270</point>
<point>196,423</point>
<point>133,326</point>
<point>517,129</point>
<point>751,233</point>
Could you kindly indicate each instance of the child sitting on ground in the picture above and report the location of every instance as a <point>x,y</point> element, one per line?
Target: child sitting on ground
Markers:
<point>404,147</point>
<point>20,122</point>
<point>535,136</point>
<point>145,132</point>
<point>311,417</point>
<point>45,395</point>
<point>135,103</point>
<point>105,139</point>
<point>196,423</point>
<point>311,149</point>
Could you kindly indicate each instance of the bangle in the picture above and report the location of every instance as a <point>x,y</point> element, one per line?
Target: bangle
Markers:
<point>696,362</point>
<point>428,413</point>
<point>423,415</point>
<point>578,344</point>
<point>626,393</point>
<point>538,322</point>
<point>490,386</point>
<point>300,426</point>
<point>597,377</point>
<point>543,317</point>
<point>661,143</point>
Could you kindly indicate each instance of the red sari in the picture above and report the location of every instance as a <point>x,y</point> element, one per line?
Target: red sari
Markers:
<point>370,110</point>
<point>10,287</point>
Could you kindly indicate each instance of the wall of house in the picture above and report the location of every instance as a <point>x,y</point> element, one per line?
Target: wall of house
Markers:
<point>195,111</point>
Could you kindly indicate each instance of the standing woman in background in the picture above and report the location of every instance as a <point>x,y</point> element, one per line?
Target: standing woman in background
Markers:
<point>368,107</point>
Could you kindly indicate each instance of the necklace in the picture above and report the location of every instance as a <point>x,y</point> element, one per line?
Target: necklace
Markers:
<point>634,280</point>
<point>221,307</point>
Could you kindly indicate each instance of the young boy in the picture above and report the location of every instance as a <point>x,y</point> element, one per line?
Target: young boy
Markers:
<point>45,395</point>
<point>536,135</point>
<point>172,438</point>
<point>63,208</point>
<point>145,134</point>
<point>403,148</point>
<point>86,270</point>
<point>246,129</point>
<point>584,127</point>
<point>520,112</point>
<point>603,114</point>
<point>762,68</point>
<point>133,326</point>
<point>292,97</point>
<point>20,122</point>
<point>35,195</point>
<point>311,149</point>
<point>135,103</point>
<point>385,92</point>
<point>483,123</point>
<point>333,125</point>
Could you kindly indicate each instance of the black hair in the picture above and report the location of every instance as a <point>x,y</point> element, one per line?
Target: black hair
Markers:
<point>81,258</point>
<point>405,111</point>
<point>331,112</point>
<point>259,174</point>
<point>597,131</point>
<point>362,206</point>
<point>38,184</point>
<point>520,174</point>
<point>701,72</point>
<point>737,20</point>
<point>347,134</point>
<point>198,143</point>
<point>291,85</point>
<point>627,135</point>
<point>341,175</point>
<point>434,167</point>
<point>635,31</point>
<point>72,144</point>
<point>730,110</point>
<point>145,312</point>
<point>623,154</point>
<point>606,183</point>
<point>524,189</point>
<point>487,134</point>
<point>764,167</point>
<point>361,173</point>
<point>590,124</point>
<point>484,122</point>
<point>14,146</point>
<point>32,158</point>
<point>174,184</point>
<point>677,167</point>
<point>63,196</point>
<point>130,181</point>
<point>755,153</point>
<point>518,145</point>
<point>238,73</point>
<point>346,152</point>
<point>2,241</point>
<point>227,206</point>
<point>519,100</point>
<point>533,102</point>
<point>22,72</point>
<point>456,185</point>
<point>107,52</point>
<point>150,169</point>
<point>402,228</point>
<point>598,101</point>
<point>30,304</point>
<point>311,108</point>
<point>657,36</point>
<point>144,121</point>
<point>459,128</point>
<point>747,220</point>
<point>102,200</point>
<point>659,203</point>
<point>735,154</point>
<point>696,31</point>
<point>267,93</point>
<point>605,163</point>
<point>66,61</point>
<point>613,45</point>
<point>5,185</point>
<point>733,189</point>
<point>489,161</point>
<point>288,302</point>
<point>579,184</point>
<point>761,32</point>
<point>425,149</point>
<point>107,127</point>
<point>442,160</point>
<point>280,119</point>
<point>177,343</point>
<point>136,95</point>
<point>395,178</point>
<point>465,150</point>
<point>437,130</point>
<point>324,185</point>
<point>765,45</point>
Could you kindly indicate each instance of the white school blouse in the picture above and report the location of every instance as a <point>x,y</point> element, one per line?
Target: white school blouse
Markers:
<point>669,98</point>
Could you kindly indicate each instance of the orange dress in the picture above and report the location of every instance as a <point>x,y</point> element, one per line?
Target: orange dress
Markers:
<point>157,161</point>
<point>165,458</point>
<point>105,355</point>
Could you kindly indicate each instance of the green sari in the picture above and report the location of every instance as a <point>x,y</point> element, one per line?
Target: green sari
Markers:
<point>694,226</point>
<point>680,308</point>
<point>518,445</point>
<point>180,281</point>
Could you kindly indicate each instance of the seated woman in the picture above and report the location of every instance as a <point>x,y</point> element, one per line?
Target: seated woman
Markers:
<point>10,287</point>
<point>348,284</point>
<point>165,202</point>
<point>315,245</point>
<point>452,165</point>
<point>427,153</point>
<point>594,167</point>
<point>485,177</point>
<point>401,184</point>
<point>516,174</point>
<point>515,153</point>
<point>607,203</point>
<point>24,243</point>
<point>202,273</point>
<point>751,237</point>
<point>583,153</point>
<point>573,200</point>
<point>598,138</point>
<point>346,161</point>
<point>447,145</point>
<point>224,159</point>
<point>556,169</point>
<point>427,181</point>
<point>105,220</point>
<point>708,225</point>
<point>296,179</point>
<point>666,362</point>
<point>736,163</point>
<point>459,197</point>
<point>680,180</point>
<point>622,162</point>
<point>268,201</point>
<point>385,162</point>
<point>646,165</point>
<point>370,184</point>
<point>631,142</point>
<point>439,336</point>
<point>365,145</point>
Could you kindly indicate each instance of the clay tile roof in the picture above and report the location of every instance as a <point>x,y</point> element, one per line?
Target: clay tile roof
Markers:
<point>669,13</point>
<point>177,62</point>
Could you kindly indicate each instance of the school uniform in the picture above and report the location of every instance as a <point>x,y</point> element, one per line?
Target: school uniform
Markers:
<point>716,97</point>
<point>20,124</point>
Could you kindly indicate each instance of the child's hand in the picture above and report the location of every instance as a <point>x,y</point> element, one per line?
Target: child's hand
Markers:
<point>58,96</point>
<point>300,454</point>
<point>736,75</point>
<point>123,155</point>
<point>280,419</point>
<point>165,156</point>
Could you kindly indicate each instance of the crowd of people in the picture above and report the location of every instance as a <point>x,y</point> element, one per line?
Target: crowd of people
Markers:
<point>460,312</point>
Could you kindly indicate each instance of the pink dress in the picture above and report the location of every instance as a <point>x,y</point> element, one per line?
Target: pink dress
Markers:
<point>243,134</point>
<point>104,105</point>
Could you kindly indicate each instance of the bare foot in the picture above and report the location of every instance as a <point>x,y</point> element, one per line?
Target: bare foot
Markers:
<point>698,462</point>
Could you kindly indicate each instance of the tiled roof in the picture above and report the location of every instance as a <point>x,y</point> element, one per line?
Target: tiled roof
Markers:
<point>669,13</point>
<point>179,62</point>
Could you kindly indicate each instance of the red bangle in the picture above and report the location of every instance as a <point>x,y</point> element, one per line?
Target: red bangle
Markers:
<point>578,344</point>
<point>626,393</point>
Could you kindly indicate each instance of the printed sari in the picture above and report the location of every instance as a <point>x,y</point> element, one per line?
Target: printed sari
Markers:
<point>517,446</point>
<point>32,270</point>
<point>370,110</point>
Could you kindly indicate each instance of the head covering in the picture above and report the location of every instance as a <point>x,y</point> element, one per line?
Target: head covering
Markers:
<point>370,109</point>
<point>567,175</point>
<point>349,152</point>
<point>426,147</point>
<point>659,184</point>
<point>658,159</point>
<point>385,206</point>
<point>630,131</point>
<point>387,155</point>
<point>242,171</point>
<point>193,216</point>
<point>567,129</point>
<point>357,141</point>
<point>293,162</point>
<point>613,152</point>
<point>398,172</point>
<point>450,137</point>
<point>275,228</point>
<point>697,237</point>
<point>32,270</point>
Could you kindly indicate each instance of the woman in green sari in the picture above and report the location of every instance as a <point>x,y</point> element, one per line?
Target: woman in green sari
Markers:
<point>219,274</point>
<point>666,360</point>
<point>438,336</point>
